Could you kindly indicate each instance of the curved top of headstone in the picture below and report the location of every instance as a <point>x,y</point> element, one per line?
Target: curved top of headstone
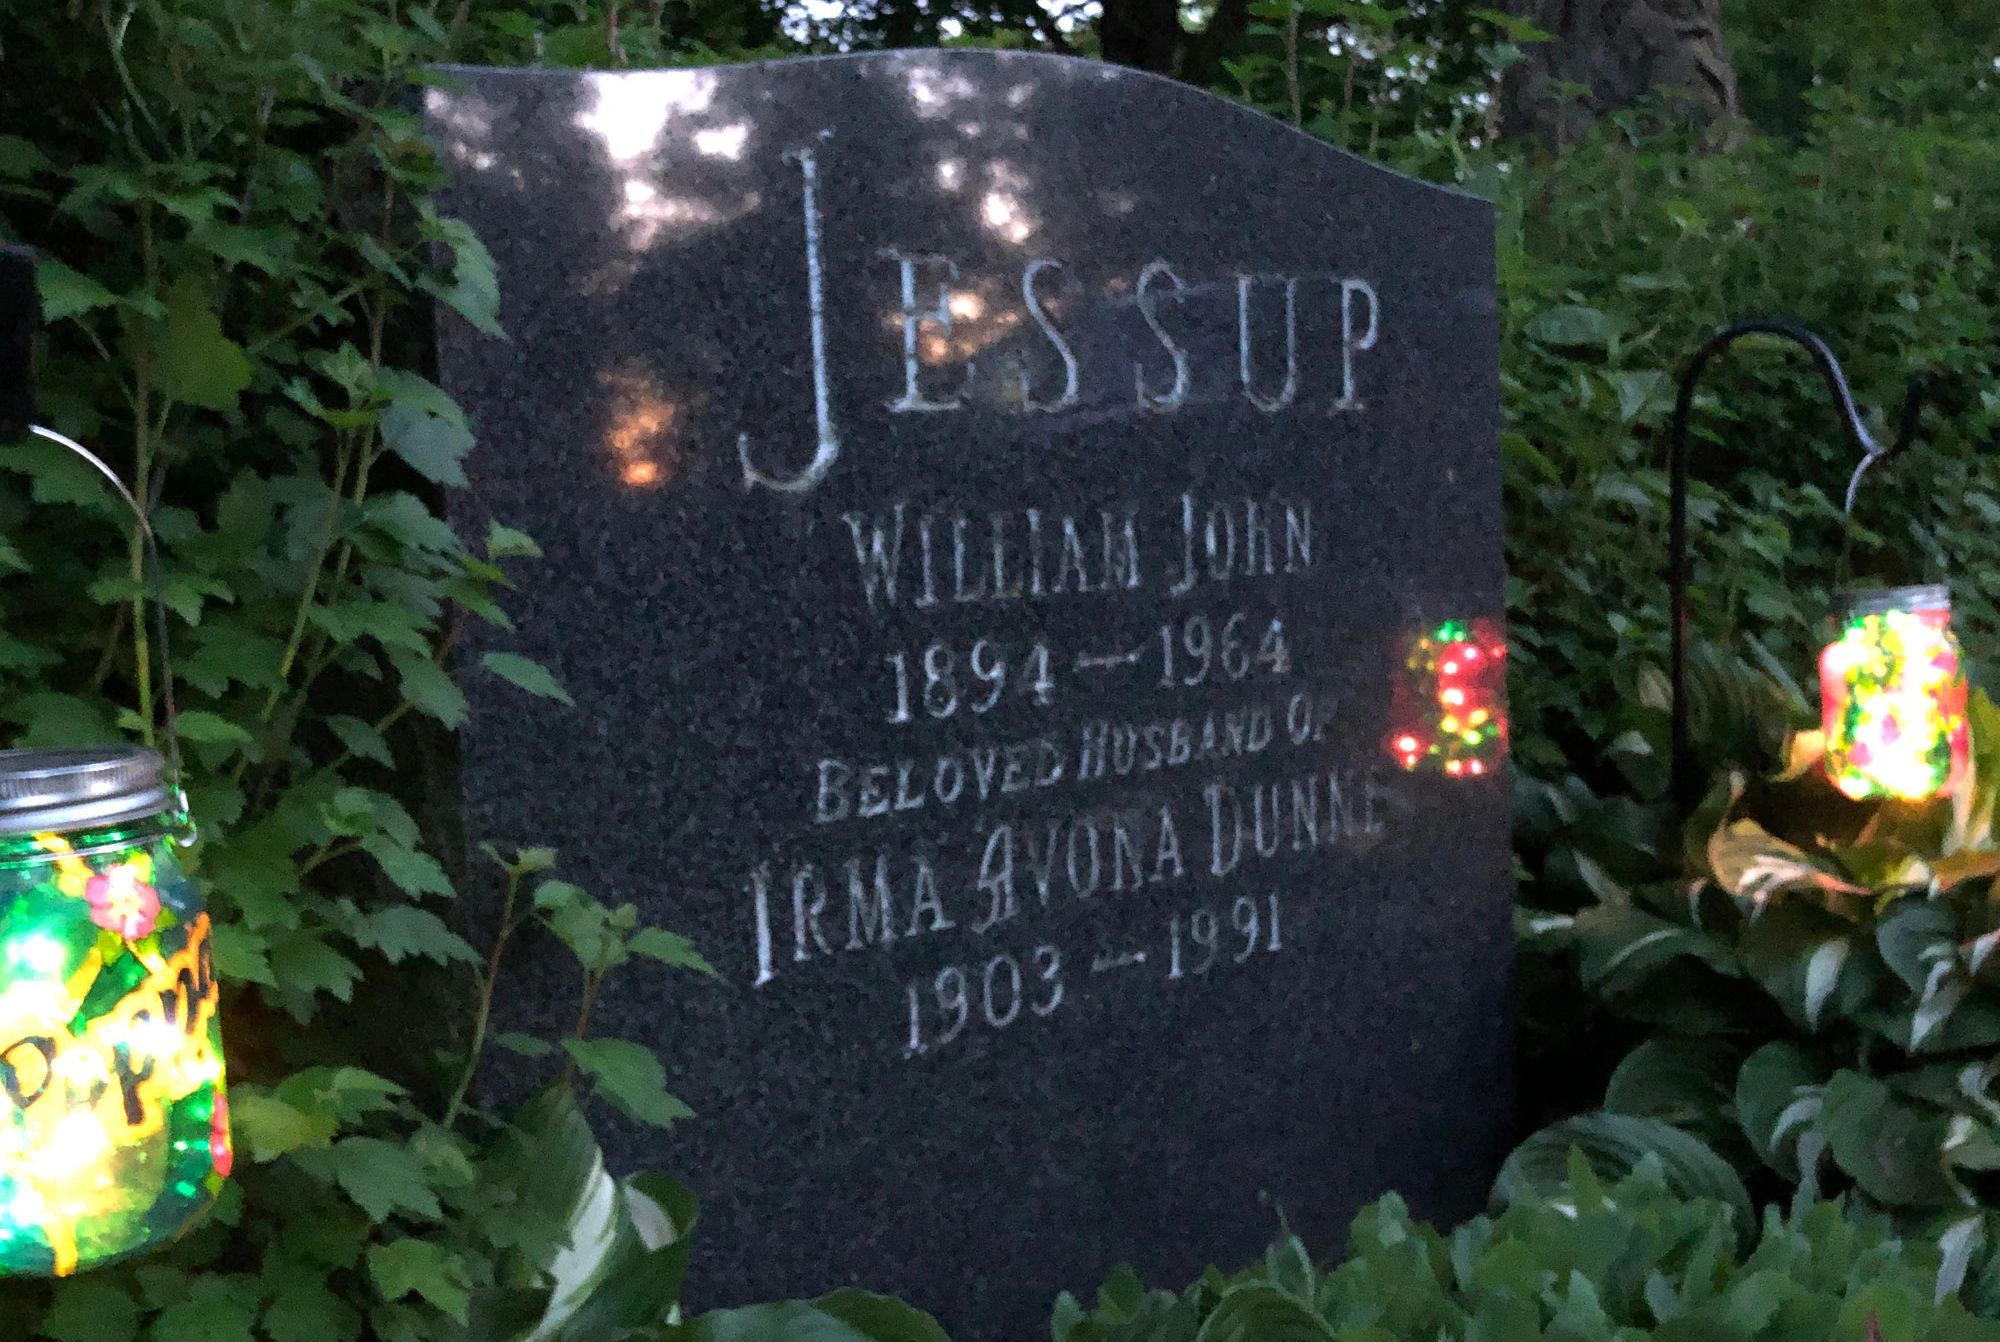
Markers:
<point>935,77</point>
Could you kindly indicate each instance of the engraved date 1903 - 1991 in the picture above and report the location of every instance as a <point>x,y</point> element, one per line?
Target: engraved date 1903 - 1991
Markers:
<point>1006,988</point>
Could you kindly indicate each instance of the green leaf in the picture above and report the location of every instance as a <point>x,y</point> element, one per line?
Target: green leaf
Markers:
<point>306,966</point>
<point>1680,1081</point>
<point>361,739</point>
<point>845,1316</point>
<point>201,1320</point>
<point>1575,325</point>
<point>402,931</point>
<point>1892,1149</point>
<point>201,725</point>
<point>528,674</point>
<point>418,1267</point>
<point>91,1311</point>
<point>383,1178</point>
<point>20,159</point>
<point>1538,1171</point>
<point>349,1094</point>
<point>630,1076</point>
<point>309,1312</point>
<point>525,1045</point>
<point>195,362</point>
<point>51,719</point>
<point>269,1127</point>
<point>432,444</point>
<point>427,687</point>
<point>474,290</point>
<point>1770,1087</point>
<point>242,955</point>
<point>503,542</point>
<point>68,293</point>
<point>656,943</point>
<point>415,873</point>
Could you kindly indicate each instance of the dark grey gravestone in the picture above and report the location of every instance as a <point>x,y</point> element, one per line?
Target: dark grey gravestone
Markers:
<point>989,502</point>
<point>20,315</point>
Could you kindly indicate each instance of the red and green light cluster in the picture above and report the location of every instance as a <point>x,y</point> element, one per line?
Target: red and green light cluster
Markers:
<point>1450,704</point>
<point>1892,704</point>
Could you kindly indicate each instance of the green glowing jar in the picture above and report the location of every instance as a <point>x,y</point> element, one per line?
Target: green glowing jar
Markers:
<point>114,1122</point>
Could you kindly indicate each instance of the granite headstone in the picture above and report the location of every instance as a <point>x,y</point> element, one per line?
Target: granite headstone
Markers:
<point>1004,517</point>
<point>20,317</point>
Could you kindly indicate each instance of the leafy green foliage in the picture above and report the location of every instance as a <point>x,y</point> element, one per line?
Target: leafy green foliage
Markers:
<point>1624,1259</point>
<point>1812,984</point>
<point>241,254</point>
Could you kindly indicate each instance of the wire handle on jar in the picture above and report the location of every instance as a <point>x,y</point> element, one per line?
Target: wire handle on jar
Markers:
<point>155,581</point>
<point>1685,786</point>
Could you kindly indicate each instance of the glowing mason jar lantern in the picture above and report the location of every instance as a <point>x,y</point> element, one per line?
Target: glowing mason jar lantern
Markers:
<point>1892,697</point>
<point>114,1124</point>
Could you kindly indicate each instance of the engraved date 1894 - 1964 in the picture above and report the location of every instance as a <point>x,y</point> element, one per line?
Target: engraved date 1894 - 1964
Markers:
<point>946,679</point>
<point>993,995</point>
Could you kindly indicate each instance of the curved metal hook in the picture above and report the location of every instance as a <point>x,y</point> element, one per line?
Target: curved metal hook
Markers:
<point>155,579</point>
<point>1684,784</point>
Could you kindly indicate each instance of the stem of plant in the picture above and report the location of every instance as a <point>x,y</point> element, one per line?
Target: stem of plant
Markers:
<point>484,1014</point>
<point>593,981</point>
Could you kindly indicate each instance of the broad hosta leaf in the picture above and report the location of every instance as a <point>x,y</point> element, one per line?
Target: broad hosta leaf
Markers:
<point>1685,1082</point>
<point>1892,1149</point>
<point>1255,1312</point>
<point>1777,1102</point>
<point>615,1251</point>
<point>1807,959</point>
<point>1915,936</point>
<point>1622,945</point>
<point>1614,1145</point>
<point>1751,863</point>
<point>845,1316</point>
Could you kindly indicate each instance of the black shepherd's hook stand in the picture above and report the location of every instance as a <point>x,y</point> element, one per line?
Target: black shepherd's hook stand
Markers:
<point>1686,787</point>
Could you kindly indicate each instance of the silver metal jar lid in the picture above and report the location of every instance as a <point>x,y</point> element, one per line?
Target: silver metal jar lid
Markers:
<point>1877,600</point>
<point>90,787</point>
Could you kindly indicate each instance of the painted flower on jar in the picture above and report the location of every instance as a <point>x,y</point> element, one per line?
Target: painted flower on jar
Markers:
<point>122,901</point>
<point>219,1149</point>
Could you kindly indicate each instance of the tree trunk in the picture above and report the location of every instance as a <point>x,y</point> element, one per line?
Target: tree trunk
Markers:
<point>1608,53</point>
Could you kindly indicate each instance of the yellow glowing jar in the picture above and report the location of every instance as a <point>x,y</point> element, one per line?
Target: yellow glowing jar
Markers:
<point>114,1125</point>
<point>1892,697</point>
